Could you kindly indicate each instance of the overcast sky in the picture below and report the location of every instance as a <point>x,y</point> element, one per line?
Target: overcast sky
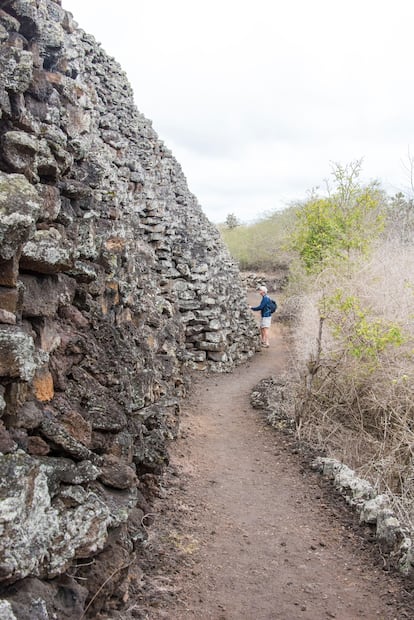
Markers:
<point>257,99</point>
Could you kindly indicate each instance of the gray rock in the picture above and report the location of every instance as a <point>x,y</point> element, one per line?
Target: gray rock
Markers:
<point>39,537</point>
<point>16,68</point>
<point>19,210</point>
<point>46,252</point>
<point>44,295</point>
<point>372,508</point>
<point>59,435</point>
<point>6,611</point>
<point>7,317</point>
<point>20,150</point>
<point>118,286</point>
<point>389,530</point>
<point>17,353</point>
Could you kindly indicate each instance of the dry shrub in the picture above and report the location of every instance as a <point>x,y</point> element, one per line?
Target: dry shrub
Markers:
<point>360,408</point>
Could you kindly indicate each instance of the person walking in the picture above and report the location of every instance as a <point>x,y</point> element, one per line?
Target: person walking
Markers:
<point>266,316</point>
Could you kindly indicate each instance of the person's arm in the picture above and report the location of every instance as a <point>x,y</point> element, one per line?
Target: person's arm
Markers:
<point>261,306</point>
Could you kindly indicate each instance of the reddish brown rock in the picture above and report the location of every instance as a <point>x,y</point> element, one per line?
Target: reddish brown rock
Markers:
<point>9,270</point>
<point>43,385</point>
<point>49,335</point>
<point>29,415</point>
<point>73,315</point>
<point>7,444</point>
<point>9,298</point>
<point>37,446</point>
<point>79,428</point>
<point>44,294</point>
<point>50,202</point>
<point>115,473</point>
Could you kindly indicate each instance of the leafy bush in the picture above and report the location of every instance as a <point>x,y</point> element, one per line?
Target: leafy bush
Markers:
<point>364,337</point>
<point>353,383</point>
<point>329,229</point>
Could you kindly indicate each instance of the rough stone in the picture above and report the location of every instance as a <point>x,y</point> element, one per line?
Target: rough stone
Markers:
<point>9,270</point>
<point>45,294</point>
<point>30,524</point>
<point>2,401</point>
<point>19,150</point>
<point>36,446</point>
<point>114,287</point>
<point>17,353</point>
<point>46,253</point>
<point>9,299</point>
<point>59,435</point>
<point>16,68</point>
<point>115,473</point>
<point>19,210</point>
<point>373,509</point>
<point>50,202</point>
<point>6,610</point>
<point>7,444</point>
<point>63,599</point>
<point>29,416</point>
<point>79,428</point>
<point>7,317</point>
<point>389,530</point>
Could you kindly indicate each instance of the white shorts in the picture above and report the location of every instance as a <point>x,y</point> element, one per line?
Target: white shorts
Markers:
<point>265,321</point>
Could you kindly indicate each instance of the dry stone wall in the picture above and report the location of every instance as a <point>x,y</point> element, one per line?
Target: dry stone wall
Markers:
<point>113,287</point>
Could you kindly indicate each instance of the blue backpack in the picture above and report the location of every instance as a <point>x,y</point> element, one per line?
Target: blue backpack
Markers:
<point>272,305</point>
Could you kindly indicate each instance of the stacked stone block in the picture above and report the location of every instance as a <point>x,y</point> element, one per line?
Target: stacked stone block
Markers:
<point>114,286</point>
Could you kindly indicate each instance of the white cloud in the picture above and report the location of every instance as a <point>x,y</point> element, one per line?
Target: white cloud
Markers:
<point>256,99</point>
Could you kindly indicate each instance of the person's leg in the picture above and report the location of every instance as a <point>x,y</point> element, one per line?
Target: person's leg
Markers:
<point>264,330</point>
<point>262,335</point>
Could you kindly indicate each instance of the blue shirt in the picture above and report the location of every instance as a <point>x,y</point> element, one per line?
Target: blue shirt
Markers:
<point>264,306</point>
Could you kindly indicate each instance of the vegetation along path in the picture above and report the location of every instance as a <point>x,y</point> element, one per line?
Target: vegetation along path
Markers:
<point>246,531</point>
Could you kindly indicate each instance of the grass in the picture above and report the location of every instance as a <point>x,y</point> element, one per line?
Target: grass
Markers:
<point>261,246</point>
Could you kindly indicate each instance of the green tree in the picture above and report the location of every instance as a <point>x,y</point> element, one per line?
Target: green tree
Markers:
<point>329,229</point>
<point>232,221</point>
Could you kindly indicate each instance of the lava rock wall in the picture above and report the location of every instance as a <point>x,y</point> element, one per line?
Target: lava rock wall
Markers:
<point>114,286</point>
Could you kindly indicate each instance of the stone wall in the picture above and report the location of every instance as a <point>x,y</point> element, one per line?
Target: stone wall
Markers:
<point>114,286</point>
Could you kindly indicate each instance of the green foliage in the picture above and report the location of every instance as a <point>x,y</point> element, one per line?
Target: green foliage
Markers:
<point>316,234</point>
<point>350,295</point>
<point>262,245</point>
<point>232,221</point>
<point>328,230</point>
<point>364,337</point>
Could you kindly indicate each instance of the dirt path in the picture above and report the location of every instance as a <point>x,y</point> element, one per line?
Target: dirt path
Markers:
<point>245,531</point>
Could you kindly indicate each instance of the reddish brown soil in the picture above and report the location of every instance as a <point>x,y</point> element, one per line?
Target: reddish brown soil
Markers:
<point>246,531</point>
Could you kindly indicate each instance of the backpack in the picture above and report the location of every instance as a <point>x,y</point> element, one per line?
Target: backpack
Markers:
<point>272,305</point>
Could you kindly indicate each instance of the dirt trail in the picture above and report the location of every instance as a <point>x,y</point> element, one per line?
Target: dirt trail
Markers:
<point>246,532</point>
